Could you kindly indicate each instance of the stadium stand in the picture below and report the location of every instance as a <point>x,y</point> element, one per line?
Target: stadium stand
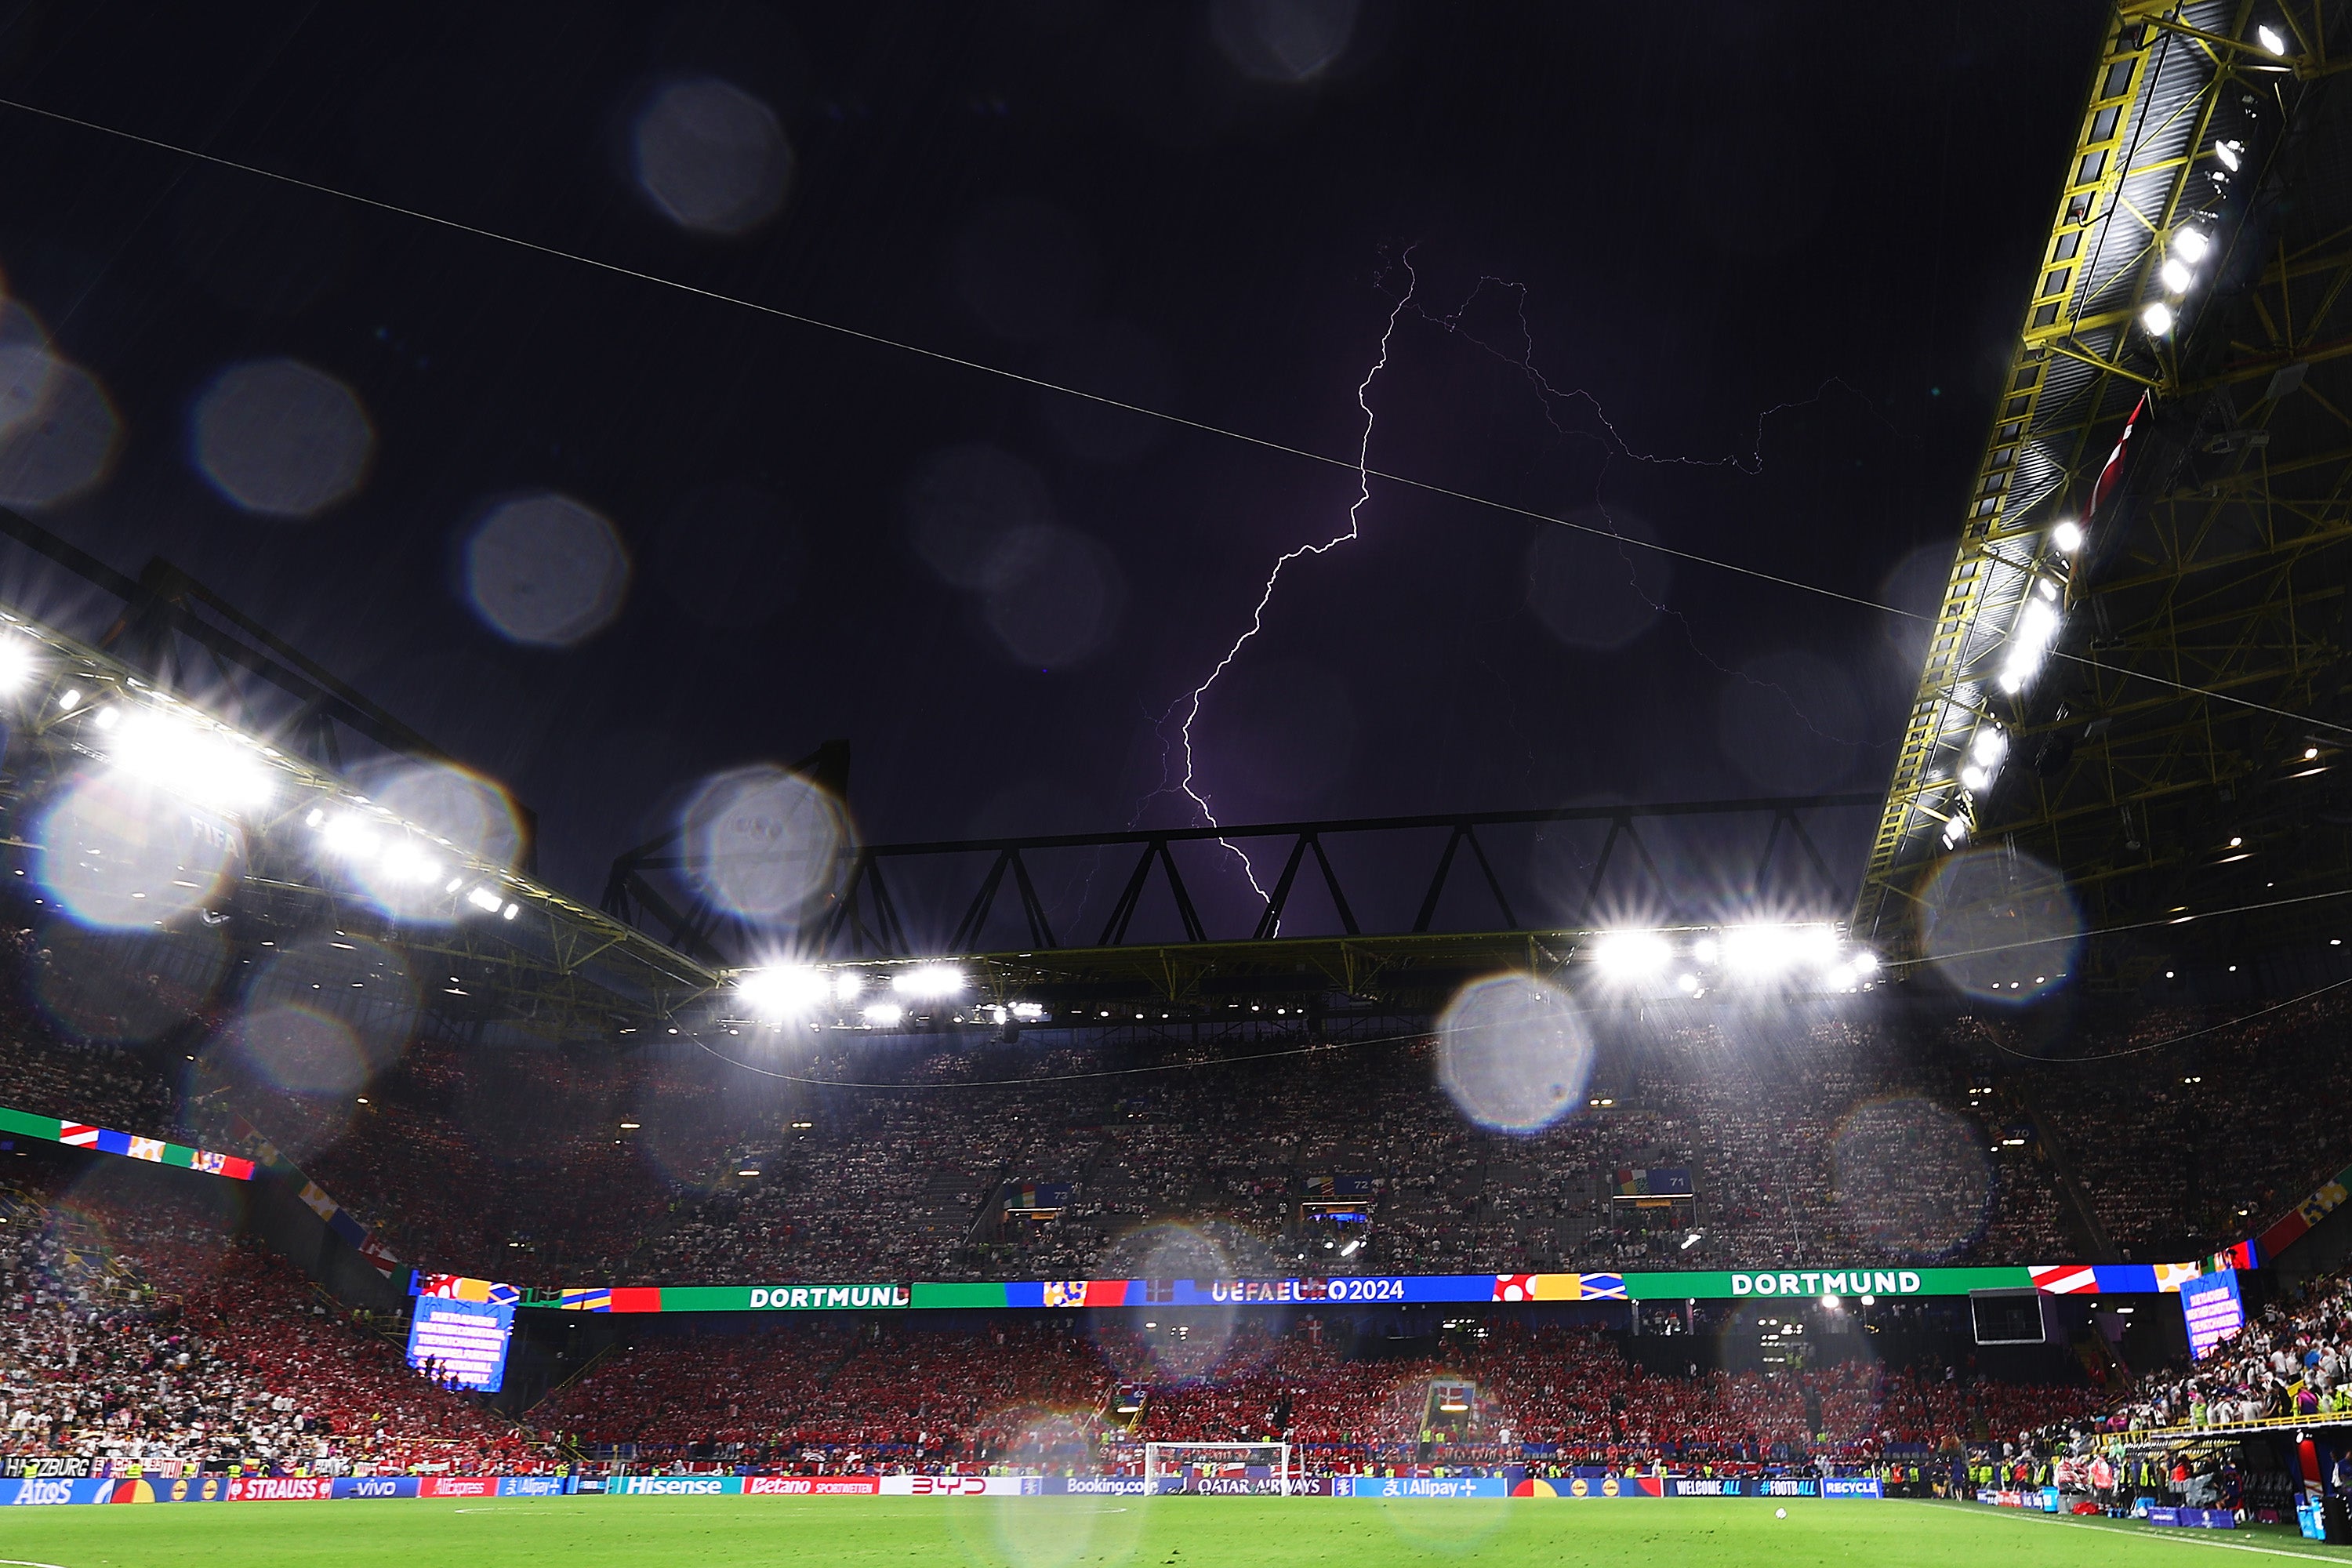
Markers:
<point>1844,1141</point>
<point>890,1394</point>
<point>140,1329</point>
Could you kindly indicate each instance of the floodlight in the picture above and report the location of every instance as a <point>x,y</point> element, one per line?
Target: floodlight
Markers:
<point>107,717</point>
<point>2176,276</point>
<point>1688,985</point>
<point>207,768</point>
<point>2228,152</point>
<point>1704,949</point>
<point>2156,319</point>
<point>1974,778</point>
<point>1840,978</point>
<point>16,663</point>
<point>348,837</point>
<point>2191,244</point>
<point>1632,952</point>
<point>884,1014</point>
<point>1028,1012</point>
<point>510,911</point>
<point>848,985</point>
<point>782,989</point>
<point>928,982</point>
<point>1760,949</point>
<point>1989,746</point>
<point>404,862</point>
<point>68,700</point>
<point>483,899</point>
<point>1866,961</point>
<point>2268,36</point>
<point>2067,536</point>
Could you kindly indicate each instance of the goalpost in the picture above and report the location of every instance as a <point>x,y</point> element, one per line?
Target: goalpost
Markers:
<point>1174,1459</point>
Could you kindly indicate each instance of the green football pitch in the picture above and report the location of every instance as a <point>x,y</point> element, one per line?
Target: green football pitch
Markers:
<point>1085,1532</point>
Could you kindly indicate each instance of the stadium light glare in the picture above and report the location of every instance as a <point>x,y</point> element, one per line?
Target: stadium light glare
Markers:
<point>2228,152</point>
<point>928,982</point>
<point>1866,961</point>
<point>510,911</point>
<point>1627,954</point>
<point>15,664</point>
<point>2191,244</point>
<point>1873,1301</point>
<point>783,990</point>
<point>1974,778</point>
<point>2156,318</point>
<point>1759,950</point>
<point>1990,747</point>
<point>1688,983</point>
<point>848,985</point>
<point>2176,276</point>
<point>882,1015</point>
<point>1028,1012</point>
<point>2067,536</point>
<point>207,768</point>
<point>2268,37</point>
<point>483,899</point>
<point>68,700</point>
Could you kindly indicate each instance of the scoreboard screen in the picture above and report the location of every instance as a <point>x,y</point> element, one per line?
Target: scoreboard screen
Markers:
<point>462,1340</point>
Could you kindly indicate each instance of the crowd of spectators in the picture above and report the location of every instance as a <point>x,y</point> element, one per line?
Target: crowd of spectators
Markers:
<point>886,1393</point>
<point>140,1331</point>
<point>2292,1359</point>
<point>1809,1135</point>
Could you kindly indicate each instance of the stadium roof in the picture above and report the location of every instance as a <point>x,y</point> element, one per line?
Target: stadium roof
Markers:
<point>520,959</point>
<point>2137,669</point>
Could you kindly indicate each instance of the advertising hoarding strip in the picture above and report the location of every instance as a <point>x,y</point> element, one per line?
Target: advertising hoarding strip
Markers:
<point>106,1140</point>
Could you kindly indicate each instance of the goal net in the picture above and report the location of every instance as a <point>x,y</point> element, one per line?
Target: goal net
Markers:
<point>1219,1466</point>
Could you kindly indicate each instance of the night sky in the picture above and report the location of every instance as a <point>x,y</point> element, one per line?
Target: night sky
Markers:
<point>1779,249</point>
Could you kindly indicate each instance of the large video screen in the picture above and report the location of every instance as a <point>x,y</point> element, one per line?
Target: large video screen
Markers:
<point>2214,1309</point>
<point>465,1341</point>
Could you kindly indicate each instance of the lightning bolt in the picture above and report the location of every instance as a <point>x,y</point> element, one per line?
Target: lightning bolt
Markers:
<point>1189,785</point>
<point>1751,463</point>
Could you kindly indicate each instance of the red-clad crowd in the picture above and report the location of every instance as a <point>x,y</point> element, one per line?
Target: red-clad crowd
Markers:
<point>140,1331</point>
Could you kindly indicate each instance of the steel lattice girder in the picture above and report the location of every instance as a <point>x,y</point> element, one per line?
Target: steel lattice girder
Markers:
<point>555,970</point>
<point>2171,84</point>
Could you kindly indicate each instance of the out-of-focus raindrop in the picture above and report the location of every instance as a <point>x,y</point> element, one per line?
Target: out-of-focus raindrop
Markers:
<point>1052,595</point>
<point>1116,360</point>
<point>2000,925</point>
<point>127,985</point>
<point>127,854</point>
<point>329,1012</point>
<point>731,556</point>
<point>278,438</point>
<point>1025,269</point>
<point>404,868</point>
<point>762,842</point>
<point>302,1051</point>
<point>1513,1053</point>
<point>58,431</point>
<point>546,571</point>
<point>1191,1345</point>
<point>1595,593</point>
<point>1787,720</point>
<point>1284,41</point>
<point>711,156</point>
<point>1045,1531</point>
<point>1912,1178</point>
<point>962,502</point>
<point>477,816</point>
